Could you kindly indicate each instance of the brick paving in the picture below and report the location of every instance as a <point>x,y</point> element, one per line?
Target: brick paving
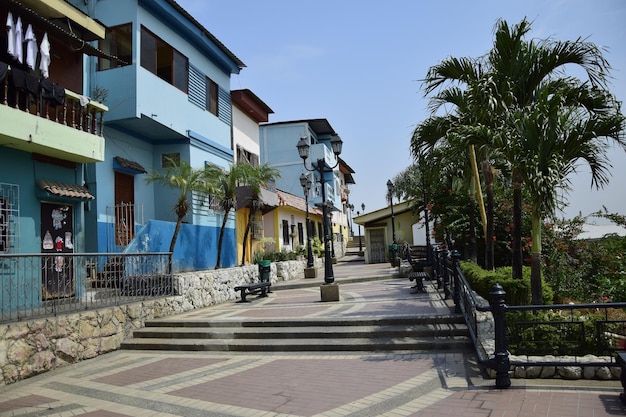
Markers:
<point>157,383</point>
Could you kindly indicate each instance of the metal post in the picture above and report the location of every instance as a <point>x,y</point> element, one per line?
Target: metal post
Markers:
<point>446,274</point>
<point>329,277</point>
<point>501,362</point>
<point>456,256</point>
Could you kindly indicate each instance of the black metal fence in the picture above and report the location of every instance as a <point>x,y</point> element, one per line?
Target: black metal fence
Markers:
<point>40,285</point>
<point>560,333</point>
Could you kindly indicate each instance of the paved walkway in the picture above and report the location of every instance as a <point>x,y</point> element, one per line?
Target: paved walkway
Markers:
<point>143,383</point>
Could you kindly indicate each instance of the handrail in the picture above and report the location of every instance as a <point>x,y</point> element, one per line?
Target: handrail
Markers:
<point>76,111</point>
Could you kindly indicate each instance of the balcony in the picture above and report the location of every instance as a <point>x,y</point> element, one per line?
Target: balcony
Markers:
<point>58,123</point>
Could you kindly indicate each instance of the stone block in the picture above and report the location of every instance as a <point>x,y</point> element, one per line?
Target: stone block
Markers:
<point>329,292</point>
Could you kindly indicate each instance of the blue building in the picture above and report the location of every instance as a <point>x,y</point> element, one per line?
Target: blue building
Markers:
<point>49,135</point>
<point>278,148</point>
<point>169,100</point>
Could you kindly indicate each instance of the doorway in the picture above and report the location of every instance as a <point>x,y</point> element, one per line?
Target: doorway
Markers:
<point>57,240</point>
<point>124,208</point>
<point>378,253</point>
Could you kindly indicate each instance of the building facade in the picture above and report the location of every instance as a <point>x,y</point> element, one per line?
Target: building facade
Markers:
<point>169,100</point>
<point>49,135</point>
<point>278,148</point>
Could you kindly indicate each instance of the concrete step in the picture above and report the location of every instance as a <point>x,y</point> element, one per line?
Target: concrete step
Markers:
<point>371,344</point>
<point>447,333</point>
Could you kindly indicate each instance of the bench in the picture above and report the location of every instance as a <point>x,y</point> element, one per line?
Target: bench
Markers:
<point>416,256</point>
<point>419,278</point>
<point>262,288</point>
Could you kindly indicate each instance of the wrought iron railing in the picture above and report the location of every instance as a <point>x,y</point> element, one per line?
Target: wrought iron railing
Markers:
<point>573,330</point>
<point>48,284</point>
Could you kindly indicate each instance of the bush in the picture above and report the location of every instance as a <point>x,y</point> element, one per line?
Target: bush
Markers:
<point>517,291</point>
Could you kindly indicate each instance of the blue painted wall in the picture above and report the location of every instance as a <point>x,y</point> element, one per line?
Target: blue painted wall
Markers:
<point>196,246</point>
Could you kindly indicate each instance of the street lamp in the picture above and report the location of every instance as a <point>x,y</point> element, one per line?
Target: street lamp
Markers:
<point>357,213</point>
<point>310,271</point>
<point>321,167</point>
<point>393,223</point>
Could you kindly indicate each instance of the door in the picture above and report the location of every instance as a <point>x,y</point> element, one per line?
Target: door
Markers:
<point>57,240</point>
<point>378,253</point>
<point>124,208</point>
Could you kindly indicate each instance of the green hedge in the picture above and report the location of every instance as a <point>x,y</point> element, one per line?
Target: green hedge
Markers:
<point>517,291</point>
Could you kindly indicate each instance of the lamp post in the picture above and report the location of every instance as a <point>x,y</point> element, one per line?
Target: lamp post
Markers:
<point>309,271</point>
<point>360,246</point>
<point>393,223</point>
<point>321,168</point>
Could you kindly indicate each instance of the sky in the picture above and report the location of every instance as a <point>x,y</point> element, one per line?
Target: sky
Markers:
<point>359,64</point>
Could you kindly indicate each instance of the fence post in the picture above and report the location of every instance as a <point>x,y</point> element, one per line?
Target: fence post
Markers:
<point>501,362</point>
<point>446,274</point>
<point>456,256</point>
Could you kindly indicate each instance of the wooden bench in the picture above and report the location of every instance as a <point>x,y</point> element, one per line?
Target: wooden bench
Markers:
<point>262,288</point>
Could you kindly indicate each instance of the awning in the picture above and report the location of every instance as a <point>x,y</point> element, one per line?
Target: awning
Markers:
<point>65,190</point>
<point>128,166</point>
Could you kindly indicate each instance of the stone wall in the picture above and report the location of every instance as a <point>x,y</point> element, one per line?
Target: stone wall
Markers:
<point>31,347</point>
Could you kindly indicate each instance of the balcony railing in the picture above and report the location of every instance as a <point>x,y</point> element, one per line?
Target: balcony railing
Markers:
<point>45,99</point>
<point>48,284</point>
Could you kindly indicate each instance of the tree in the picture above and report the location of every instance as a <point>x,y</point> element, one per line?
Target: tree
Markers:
<point>237,175</point>
<point>562,128</point>
<point>518,68</point>
<point>185,179</point>
<point>261,176</point>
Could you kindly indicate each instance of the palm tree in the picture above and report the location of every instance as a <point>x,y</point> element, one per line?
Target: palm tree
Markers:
<point>185,179</point>
<point>518,68</point>
<point>261,176</point>
<point>472,107</point>
<point>237,175</point>
<point>562,128</point>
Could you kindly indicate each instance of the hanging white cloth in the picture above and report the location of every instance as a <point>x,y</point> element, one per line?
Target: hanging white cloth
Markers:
<point>19,41</point>
<point>10,35</point>
<point>44,50</point>
<point>31,47</point>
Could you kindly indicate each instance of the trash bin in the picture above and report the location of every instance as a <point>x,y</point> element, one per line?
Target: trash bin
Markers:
<point>264,270</point>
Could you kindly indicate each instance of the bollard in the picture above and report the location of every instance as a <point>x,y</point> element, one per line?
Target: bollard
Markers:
<point>500,362</point>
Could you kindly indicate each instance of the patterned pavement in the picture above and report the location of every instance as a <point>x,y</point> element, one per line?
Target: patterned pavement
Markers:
<point>147,383</point>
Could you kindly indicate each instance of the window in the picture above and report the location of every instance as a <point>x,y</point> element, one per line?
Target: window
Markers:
<point>169,160</point>
<point>9,217</point>
<point>300,234</point>
<point>164,61</point>
<point>244,155</point>
<point>118,42</point>
<point>211,96</point>
<point>286,239</point>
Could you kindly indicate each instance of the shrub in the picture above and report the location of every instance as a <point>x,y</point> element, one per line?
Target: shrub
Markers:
<point>517,291</point>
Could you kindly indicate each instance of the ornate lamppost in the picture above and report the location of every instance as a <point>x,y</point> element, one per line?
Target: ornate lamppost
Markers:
<point>360,245</point>
<point>309,271</point>
<point>394,249</point>
<point>393,222</point>
<point>321,168</point>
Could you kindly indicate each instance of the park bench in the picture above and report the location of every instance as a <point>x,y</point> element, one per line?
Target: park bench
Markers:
<point>262,288</point>
<point>416,256</point>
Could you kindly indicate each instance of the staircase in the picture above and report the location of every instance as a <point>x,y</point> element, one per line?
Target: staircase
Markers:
<point>352,247</point>
<point>438,333</point>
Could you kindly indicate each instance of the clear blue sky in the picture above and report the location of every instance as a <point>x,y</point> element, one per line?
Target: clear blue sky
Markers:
<point>358,64</point>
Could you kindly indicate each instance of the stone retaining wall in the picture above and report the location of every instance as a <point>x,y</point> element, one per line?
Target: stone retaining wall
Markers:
<point>31,347</point>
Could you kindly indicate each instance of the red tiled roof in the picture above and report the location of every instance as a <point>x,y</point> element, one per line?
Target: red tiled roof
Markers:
<point>63,189</point>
